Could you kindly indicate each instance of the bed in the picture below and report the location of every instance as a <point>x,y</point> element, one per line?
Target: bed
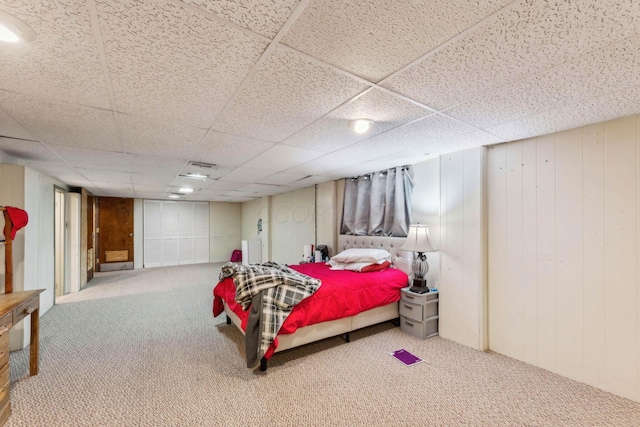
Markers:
<point>365,299</point>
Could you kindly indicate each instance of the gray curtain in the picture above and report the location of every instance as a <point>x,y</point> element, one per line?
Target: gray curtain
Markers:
<point>378,204</point>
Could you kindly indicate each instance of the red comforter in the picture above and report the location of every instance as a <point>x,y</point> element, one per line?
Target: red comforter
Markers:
<point>342,294</point>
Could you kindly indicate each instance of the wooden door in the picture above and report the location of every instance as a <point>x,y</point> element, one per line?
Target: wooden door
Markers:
<point>114,231</point>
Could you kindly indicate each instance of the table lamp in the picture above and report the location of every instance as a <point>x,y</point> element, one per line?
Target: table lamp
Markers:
<point>418,241</point>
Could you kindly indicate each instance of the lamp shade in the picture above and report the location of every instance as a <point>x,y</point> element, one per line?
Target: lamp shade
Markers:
<point>417,239</point>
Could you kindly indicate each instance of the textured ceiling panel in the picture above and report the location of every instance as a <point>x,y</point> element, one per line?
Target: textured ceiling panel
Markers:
<point>141,88</point>
<point>599,73</point>
<point>154,165</point>
<point>151,195</point>
<point>282,157</point>
<point>311,180</point>
<point>10,128</point>
<point>257,188</point>
<point>393,160</point>
<point>224,185</point>
<point>28,150</point>
<point>264,17</point>
<point>168,62</point>
<point>62,123</point>
<point>162,181</point>
<point>373,38</point>
<point>63,62</point>
<point>246,175</point>
<point>156,138</point>
<point>286,94</point>
<point>332,132</point>
<point>608,107</point>
<point>521,41</point>
<point>91,159</point>
<point>223,149</point>
<point>102,175</point>
<point>281,178</point>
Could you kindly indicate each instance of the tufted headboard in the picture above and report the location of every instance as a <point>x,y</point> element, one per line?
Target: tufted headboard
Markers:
<point>401,259</point>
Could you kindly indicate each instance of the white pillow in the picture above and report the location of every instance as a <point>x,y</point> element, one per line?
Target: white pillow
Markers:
<point>353,266</point>
<point>362,255</point>
<point>357,266</point>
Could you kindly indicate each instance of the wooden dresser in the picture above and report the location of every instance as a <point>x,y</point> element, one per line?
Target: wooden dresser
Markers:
<point>13,308</point>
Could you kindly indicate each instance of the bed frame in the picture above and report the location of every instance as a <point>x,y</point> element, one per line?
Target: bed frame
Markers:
<point>319,331</point>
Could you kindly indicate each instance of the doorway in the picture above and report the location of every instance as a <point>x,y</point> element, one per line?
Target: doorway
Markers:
<point>59,241</point>
<point>114,233</point>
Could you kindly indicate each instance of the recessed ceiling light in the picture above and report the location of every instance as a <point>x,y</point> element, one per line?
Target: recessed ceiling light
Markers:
<point>174,196</point>
<point>13,30</point>
<point>185,190</point>
<point>360,125</point>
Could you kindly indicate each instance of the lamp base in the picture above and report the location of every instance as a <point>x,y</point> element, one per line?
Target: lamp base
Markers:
<point>419,286</point>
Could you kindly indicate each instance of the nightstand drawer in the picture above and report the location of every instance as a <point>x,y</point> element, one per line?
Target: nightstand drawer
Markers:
<point>422,330</point>
<point>411,310</point>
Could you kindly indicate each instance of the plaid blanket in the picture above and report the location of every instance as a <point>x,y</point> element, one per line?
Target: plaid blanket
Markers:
<point>275,289</point>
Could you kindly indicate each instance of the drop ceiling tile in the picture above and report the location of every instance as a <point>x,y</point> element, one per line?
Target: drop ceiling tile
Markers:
<point>245,175</point>
<point>105,175</point>
<point>62,63</point>
<point>91,159</point>
<point>526,39</point>
<point>281,157</point>
<point>149,137</point>
<point>239,199</point>
<point>196,184</point>
<point>264,17</point>
<point>171,63</point>
<point>212,173</point>
<point>279,190</point>
<point>150,195</point>
<point>257,188</point>
<point>62,123</point>
<point>284,95</point>
<point>9,128</point>
<point>224,149</point>
<point>61,172</point>
<point>308,181</point>
<point>601,72</point>
<point>138,179</point>
<point>237,193</point>
<point>348,156</point>
<point>372,39</point>
<point>332,132</point>
<point>596,110</point>
<point>154,165</point>
<point>150,188</point>
<point>224,185</point>
<point>281,178</point>
<point>28,150</point>
<point>118,186</point>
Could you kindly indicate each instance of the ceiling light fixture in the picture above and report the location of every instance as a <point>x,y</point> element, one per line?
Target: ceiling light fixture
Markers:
<point>195,176</point>
<point>360,125</point>
<point>174,196</point>
<point>13,30</point>
<point>185,190</point>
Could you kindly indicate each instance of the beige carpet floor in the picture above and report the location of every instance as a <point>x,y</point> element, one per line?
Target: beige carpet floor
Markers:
<point>141,348</point>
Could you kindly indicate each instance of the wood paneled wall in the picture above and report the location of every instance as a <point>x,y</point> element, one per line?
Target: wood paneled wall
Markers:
<point>564,253</point>
<point>462,248</point>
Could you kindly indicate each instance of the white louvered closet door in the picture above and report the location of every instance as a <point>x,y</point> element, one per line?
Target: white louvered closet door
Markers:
<point>175,233</point>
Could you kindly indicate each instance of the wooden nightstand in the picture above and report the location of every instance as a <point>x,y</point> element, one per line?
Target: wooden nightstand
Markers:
<point>419,313</point>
